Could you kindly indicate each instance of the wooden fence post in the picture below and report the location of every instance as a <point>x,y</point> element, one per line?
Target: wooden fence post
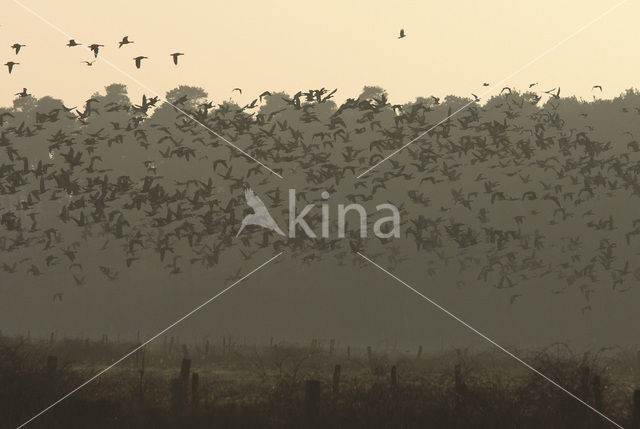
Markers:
<point>394,377</point>
<point>419,352</point>
<point>458,378</point>
<point>52,365</point>
<point>369,354</point>
<point>597,392</point>
<point>585,377</point>
<point>311,402</point>
<point>141,372</point>
<point>336,379</point>
<point>635,424</point>
<point>460,388</point>
<point>185,368</point>
<point>177,395</point>
<point>195,389</point>
<point>179,387</point>
<point>137,353</point>
<point>459,394</point>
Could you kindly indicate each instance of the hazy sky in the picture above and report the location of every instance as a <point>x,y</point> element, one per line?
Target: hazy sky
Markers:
<point>451,47</point>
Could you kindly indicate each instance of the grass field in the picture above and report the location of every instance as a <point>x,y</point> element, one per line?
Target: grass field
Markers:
<point>226,384</point>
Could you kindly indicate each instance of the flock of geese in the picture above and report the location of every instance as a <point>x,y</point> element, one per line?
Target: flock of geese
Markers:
<point>95,49</point>
<point>513,194</point>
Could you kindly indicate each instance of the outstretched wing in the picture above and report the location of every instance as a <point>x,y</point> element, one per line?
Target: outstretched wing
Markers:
<point>254,202</point>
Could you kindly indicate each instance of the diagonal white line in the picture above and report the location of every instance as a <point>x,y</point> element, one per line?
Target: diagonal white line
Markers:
<point>142,85</point>
<point>448,313</point>
<point>146,342</point>
<point>492,87</point>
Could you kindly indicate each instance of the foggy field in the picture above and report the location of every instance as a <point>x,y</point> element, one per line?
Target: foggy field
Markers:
<point>319,215</point>
<point>517,218</point>
<point>287,385</point>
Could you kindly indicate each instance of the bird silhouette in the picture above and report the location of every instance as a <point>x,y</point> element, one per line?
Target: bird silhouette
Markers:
<point>500,172</point>
<point>24,93</point>
<point>95,48</point>
<point>73,43</point>
<point>175,56</point>
<point>138,61</point>
<point>10,65</point>
<point>260,216</point>
<point>125,41</point>
<point>402,34</point>
<point>16,47</point>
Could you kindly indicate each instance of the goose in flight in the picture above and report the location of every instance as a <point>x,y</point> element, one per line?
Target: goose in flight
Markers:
<point>597,86</point>
<point>260,216</point>
<point>16,47</point>
<point>557,93</point>
<point>237,89</point>
<point>73,43</point>
<point>175,56</point>
<point>24,93</point>
<point>95,48</point>
<point>10,65</point>
<point>125,41</point>
<point>138,61</point>
<point>89,63</point>
<point>402,34</point>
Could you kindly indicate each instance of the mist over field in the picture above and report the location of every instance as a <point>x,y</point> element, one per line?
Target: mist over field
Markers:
<point>310,215</point>
<point>516,215</point>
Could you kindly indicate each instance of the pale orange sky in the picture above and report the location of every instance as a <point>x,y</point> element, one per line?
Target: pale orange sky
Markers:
<point>451,47</point>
